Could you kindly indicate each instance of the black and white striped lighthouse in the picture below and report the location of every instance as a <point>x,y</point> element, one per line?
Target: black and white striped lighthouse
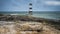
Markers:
<point>30,9</point>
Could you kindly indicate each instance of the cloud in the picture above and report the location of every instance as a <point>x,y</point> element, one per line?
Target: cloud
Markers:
<point>52,2</point>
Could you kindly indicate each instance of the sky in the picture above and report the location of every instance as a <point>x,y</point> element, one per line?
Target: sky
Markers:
<point>23,5</point>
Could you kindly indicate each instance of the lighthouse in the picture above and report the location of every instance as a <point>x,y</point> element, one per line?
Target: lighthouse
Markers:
<point>30,9</point>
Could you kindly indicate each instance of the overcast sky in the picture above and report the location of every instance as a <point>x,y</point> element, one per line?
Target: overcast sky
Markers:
<point>23,5</point>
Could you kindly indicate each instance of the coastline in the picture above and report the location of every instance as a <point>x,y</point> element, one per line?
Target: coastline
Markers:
<point>28,18</point>
<point>22,19</point>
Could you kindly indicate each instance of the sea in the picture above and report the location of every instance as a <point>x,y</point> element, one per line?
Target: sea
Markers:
<point>38,14</point>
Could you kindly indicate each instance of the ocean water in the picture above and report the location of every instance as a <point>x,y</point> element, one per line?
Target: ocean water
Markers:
<point>47,15</point>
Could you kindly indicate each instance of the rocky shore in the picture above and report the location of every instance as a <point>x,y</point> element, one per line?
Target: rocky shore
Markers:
<point>15,24</point>
<point>53,23</point>
<point>26,27</point>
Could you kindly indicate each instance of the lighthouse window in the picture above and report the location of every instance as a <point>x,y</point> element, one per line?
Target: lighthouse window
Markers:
<point>30,8</point>
<point>30,4</point>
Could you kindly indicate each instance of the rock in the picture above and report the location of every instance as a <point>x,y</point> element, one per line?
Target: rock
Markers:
<point>29,26</point>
